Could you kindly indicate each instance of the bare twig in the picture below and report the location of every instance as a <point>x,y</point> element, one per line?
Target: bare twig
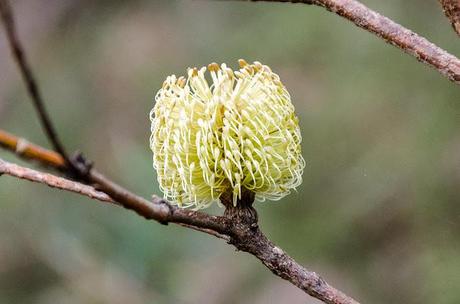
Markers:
<point>159,210</point>
<point>452,10</point>
<point>71,186</point>
<point>30,151</point>
<point>52,181</point>
<point>281,264</point>
<point>393,33</point>
<point>246,236</point>
<point>29,79</point>
<point>208,231</point>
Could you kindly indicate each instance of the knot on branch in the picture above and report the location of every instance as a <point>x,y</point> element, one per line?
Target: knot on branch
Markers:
<point>166,211</point>
<point>80,166</point>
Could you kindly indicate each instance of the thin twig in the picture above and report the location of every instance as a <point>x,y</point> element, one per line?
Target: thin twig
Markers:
<point>29,151</point>
<point>29,79</point>
<point>247,238</point>
<point>208,231</point>
<point>452,10</point>
<point>158,209</point>
<point>392,32</point>
<point>52,181</point>
<point>72,186</point>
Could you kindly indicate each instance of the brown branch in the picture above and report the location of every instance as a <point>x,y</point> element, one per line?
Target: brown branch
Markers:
<point>393,33</point>
<point>274,258</point>
<point>159,210</point>
<point>240,231</point>
<point>71,186</point>
<point>452,10</point>
<point>208,231</point>
<point>52,181</point>
<point>29,79</point>
<point>30,151</point>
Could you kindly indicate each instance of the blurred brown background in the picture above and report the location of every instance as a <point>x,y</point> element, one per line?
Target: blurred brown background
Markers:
<point>378,214</point>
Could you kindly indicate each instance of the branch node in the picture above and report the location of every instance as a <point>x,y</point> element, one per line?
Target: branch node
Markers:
<point>159,201</point>
<point>21,146</point>
<point>80,166</point>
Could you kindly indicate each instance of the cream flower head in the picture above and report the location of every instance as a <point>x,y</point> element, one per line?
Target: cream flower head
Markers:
<point>237,132</point>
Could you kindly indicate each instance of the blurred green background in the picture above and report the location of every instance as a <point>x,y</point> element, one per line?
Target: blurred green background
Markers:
<point>378,214</point>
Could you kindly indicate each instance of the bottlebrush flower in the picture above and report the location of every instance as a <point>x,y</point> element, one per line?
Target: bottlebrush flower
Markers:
<point>237,131</point>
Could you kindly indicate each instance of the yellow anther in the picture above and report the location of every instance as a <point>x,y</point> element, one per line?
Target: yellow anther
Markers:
<point>242,63</point>
<point>181,81</point>
<point>213,67</point>
<point>193,71</point>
